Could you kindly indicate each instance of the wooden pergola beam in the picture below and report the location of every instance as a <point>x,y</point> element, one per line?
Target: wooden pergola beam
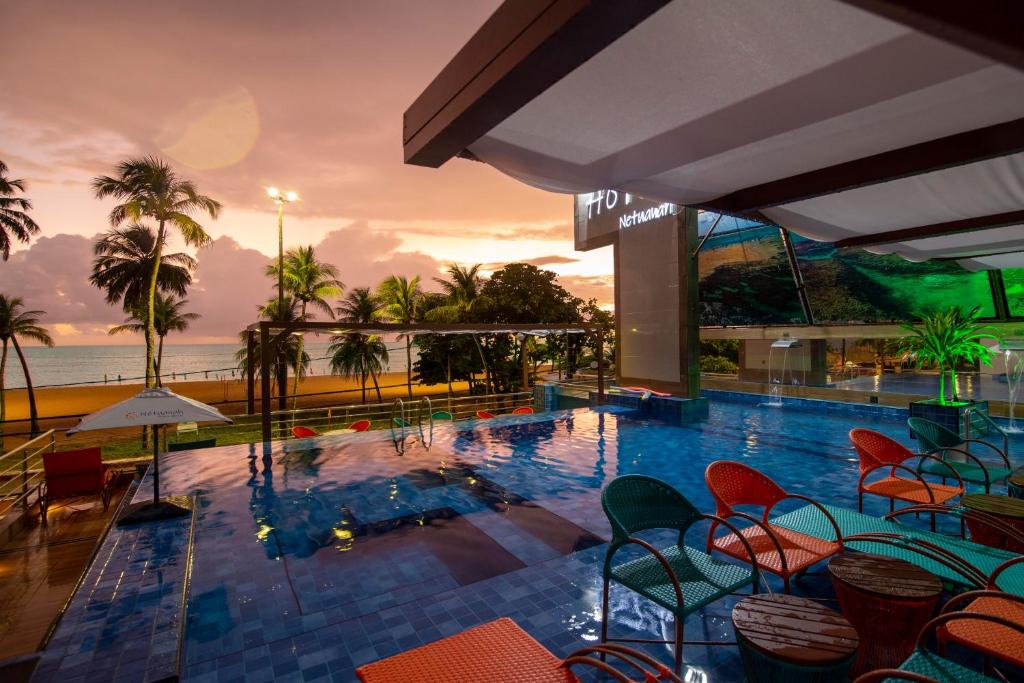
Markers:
<point>934,155</point>
<point>523,49</point>
<point>920,232</point>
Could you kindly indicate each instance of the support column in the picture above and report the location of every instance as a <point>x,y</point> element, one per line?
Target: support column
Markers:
<point>250,372</point>
<point>265,356</point>
<point>689,304</point>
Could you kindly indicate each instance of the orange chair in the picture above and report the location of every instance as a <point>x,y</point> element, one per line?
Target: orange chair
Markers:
<point>484,415</point>
<point>360,425</point>
<point>523,410</point>
<point>501,651</point>
<point>301,432</point>
<point>777,550</point>
<point>879,452</point>
<point>70,474</point>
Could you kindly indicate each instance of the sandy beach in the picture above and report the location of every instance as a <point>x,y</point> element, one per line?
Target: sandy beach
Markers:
<point>59,407</point>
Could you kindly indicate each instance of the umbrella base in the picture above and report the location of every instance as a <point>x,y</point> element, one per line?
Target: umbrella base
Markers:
<point>148,511</point>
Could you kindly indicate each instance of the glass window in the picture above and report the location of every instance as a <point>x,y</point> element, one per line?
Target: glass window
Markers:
<point>853,285</point>
<point>745,278</point>
<point>1013,283</point>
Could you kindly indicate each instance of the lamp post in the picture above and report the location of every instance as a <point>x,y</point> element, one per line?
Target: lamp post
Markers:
<point>281,198</point>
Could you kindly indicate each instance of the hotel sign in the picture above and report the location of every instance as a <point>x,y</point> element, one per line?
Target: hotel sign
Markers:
<point>600,215</point>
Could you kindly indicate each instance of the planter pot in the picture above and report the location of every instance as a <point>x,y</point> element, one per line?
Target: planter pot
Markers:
<point>951,415</point>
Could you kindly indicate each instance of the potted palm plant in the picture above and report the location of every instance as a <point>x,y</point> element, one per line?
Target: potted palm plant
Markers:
<point>944,340</point>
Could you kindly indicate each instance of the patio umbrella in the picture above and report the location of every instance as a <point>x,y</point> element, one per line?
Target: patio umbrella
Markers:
<point>152,407</point>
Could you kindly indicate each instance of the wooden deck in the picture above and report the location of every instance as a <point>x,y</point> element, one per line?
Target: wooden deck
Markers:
<point>40,566</point>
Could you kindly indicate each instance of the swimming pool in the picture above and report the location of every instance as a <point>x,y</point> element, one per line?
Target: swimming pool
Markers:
<point>309,562</point>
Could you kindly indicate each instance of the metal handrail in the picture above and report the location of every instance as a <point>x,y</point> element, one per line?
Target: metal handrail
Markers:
<point>992,423</point>
<point>48,442</point>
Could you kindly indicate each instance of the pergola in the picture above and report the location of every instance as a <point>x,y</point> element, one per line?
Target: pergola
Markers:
<point>896,126</point>
<point>271,334</point>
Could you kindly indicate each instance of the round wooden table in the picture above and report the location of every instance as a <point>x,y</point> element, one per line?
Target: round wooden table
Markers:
<point>1003,508</point>
<point>888,601</point>
<point>783,637</point>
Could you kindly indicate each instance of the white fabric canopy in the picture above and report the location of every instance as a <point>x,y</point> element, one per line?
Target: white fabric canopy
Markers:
<point>704,99</point>
<point>156,406</point>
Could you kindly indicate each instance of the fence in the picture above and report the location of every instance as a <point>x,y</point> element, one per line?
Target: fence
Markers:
<point>21,473</point>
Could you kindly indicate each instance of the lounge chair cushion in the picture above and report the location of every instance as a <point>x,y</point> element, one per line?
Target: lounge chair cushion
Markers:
<point>800,549</point>
<point>703,579</point>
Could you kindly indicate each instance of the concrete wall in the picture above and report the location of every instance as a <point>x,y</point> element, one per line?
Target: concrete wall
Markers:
<point>805,365</point>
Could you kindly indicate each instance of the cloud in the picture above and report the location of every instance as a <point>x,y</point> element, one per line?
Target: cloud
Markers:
<point>600,287</point>
<point>540,262</point>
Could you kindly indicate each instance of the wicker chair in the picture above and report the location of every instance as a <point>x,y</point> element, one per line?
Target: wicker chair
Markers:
<point>937,440</point>
<point>679,578</point>
<point>928,667</point>
<point>360,425</point>
<point>484,414</point>
<point>301,432</point>
<point>781,551</point>
<point>879,452</point>
<point>523,410</point>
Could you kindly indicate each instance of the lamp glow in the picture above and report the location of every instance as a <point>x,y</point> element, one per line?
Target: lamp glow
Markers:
<point>292,196</point>
<point>273,192</point>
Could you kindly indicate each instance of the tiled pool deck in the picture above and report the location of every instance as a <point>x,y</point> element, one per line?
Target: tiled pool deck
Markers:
<point>309,563</point>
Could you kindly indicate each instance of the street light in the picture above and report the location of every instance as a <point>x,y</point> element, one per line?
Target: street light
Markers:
<point>280,198</point>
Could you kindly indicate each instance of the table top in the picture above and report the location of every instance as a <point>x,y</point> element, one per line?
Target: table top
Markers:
<point>994,505</point>
<point>795,630</point>
<point>884,576</point>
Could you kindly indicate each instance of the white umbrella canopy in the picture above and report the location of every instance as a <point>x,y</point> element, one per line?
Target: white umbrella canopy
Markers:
<point>152,407</point>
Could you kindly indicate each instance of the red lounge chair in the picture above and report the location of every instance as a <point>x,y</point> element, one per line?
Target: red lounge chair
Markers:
<point>303,432</point>
<point>360,425</point>
<point>523,410</point>
<point>879,452</point>
<point>778,550</point>
<point>501,651</point>
<point>484,415</point>
<point>74,473</point>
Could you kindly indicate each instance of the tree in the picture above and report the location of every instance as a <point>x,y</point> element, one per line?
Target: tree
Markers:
<point>359,355</point>
<point>464,302</point>
<point>149,188</point>
<point>401,303</point>
<point>310,282</point>
<point>14,219</point>
<point>14,323</point>
<point>124,261</point>
<point>291,353</point>
<point>169,317</point>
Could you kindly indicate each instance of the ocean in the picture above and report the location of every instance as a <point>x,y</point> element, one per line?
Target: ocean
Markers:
<point>85,365</point>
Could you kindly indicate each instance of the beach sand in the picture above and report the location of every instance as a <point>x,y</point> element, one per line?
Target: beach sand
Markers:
<point>60,407</point>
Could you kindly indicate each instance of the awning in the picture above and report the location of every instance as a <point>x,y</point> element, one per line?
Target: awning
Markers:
<point>863,123</point>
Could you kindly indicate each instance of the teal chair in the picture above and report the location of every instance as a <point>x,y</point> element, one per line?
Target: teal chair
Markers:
<point>937,440</point>
<point>401,422</point>
<point>442,415</point>
<point>191,445</point>
<point>924,666</point>
<point>679,578</point>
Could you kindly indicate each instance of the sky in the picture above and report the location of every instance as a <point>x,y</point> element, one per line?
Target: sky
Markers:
<point>240,95</point>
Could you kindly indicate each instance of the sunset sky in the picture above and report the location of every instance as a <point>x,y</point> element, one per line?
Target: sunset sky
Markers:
<point>239,95</point>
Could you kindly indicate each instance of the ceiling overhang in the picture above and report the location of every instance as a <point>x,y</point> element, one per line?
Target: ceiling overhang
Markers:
<point>893,126</point>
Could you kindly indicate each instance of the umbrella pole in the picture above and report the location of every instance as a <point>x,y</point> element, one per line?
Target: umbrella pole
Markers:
<point>156,465</point>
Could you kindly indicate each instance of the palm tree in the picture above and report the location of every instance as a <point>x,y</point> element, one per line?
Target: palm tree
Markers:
<point>400,299</point>
<point>14,218</point>
<point>169,318</point>
<point>355,354</point>
<point>291,351</point>
<point>14,323</point>
<point>310,282</point>
<point>149,188</point>
<point>124,262</point>
<point>464,301</point>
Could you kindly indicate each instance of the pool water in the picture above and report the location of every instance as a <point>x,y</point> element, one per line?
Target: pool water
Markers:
<point>310,562</point>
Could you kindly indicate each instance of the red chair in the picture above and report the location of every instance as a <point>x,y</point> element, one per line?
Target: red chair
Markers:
<point>523,410</point>
<point>303,432</point>
<point>484,415</point>
<point>360,425</point>
<point>879,452</point>
<point>777,550</point>
<point>74,473</point>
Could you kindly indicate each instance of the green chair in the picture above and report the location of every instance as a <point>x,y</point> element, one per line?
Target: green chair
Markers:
<point>442,415</point>
<point>678,578</point>
<point>937,440</point>
<point>191,445</point>
<point>401,422</point>
<point>924,665</point>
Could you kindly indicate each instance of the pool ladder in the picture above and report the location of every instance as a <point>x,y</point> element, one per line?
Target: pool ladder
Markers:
<point>400,420</point>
